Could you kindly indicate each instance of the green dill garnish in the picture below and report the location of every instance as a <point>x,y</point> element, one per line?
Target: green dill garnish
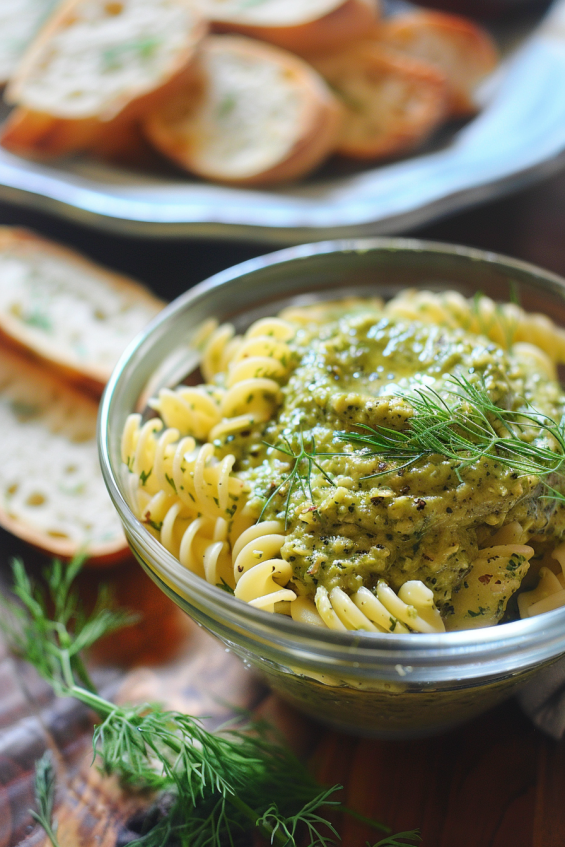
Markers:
<point>220,788</point>
<point>224,586</point>
<point>171,482</point>
<point>514,292</point>
<point>471,429</point>
<point>145,476</point>
<point>476,614</point>
<point>499,316</point>
<point>44,791</point>
<point>157,525</point>
<point>303,461</point>
<point>514,562</point>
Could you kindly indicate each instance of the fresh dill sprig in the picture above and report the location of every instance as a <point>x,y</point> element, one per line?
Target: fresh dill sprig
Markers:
<point>45,796</point>
<point>203,775</point>
<point>303,461</point>
<point>472,428</point>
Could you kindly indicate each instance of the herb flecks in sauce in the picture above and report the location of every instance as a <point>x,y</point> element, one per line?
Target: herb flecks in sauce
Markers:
<point>356,513</point>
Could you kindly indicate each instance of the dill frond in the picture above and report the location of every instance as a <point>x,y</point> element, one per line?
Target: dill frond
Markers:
<point>205,776</point>
<point>44,790</point>
<point>466,427</point>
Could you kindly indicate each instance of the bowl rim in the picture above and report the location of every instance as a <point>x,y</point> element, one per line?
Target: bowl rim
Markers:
<point>473,648</point>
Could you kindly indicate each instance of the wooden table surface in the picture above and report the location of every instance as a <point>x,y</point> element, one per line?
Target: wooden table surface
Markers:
<point>496,782</point>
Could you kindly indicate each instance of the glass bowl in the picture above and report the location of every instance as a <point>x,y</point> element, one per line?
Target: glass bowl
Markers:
<point>385,685</point>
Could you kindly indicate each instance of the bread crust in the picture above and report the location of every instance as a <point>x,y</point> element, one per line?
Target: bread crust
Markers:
<point>86,375</point>
<point>392,102</point>
<point>315,137</point>
<point>348,22</point>
<point>456,46</point>
<point>100,554</point>
<point>44,135</point>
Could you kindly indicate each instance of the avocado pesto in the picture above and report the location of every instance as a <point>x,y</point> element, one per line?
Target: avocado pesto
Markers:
<point>366,466</point>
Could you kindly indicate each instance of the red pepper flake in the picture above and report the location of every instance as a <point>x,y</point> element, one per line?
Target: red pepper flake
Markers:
<point>420,504</point>
<point>486,578</point>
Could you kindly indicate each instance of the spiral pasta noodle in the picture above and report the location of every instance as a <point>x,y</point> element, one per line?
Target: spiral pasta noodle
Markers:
<point>260,573</point>
<point>504,323</point>
<point>412,609</point>
<point>495,574</point>
<point>550,591</point>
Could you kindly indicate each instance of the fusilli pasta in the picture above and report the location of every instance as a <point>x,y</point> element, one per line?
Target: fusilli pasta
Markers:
<point>504,323</point>
<point>411,610</point>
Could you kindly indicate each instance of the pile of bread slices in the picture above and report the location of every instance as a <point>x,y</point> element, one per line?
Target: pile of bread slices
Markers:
<point>239,91</point>
<point>64,322</point>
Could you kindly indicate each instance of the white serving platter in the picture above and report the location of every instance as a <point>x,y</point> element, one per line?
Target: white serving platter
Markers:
<point>519,136</point>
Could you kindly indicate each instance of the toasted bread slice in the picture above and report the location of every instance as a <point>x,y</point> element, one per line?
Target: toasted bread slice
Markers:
<point>97,62</point>
<point>68,310</point>
<point>19,21</point>
<point>392,102</point>
<point>52,494</point>
<point>260,115</point>
<point>458,47</point>
<point>303,28</point>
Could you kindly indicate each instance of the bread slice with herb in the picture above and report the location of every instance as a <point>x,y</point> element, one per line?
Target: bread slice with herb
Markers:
<point>19,21</point>
<point>67,310</point>
<point>392,102</point>
<point>456,46</point>
<point>303,28</point>
<point>95,65</point>
<point>52,494</point>
<point>259,115</point>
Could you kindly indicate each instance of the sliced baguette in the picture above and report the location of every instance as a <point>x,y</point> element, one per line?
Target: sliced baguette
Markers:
<point>52,494</point>
<point>96,65</point>
<point>19,21</point>
<point>301,27</point>
<point>392,102</point>
<point>260,115</point>
<point>464,52</point>
<point>67,310</point>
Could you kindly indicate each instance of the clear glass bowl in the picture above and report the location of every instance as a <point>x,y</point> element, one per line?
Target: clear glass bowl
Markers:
<point>380,684</point>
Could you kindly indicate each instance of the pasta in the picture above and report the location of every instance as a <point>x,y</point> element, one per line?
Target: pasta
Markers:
<point>504,323</point>
<point>304,476</point>
<point>259,571</point>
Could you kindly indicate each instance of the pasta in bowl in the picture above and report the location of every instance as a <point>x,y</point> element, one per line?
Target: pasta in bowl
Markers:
<point>365,473</point>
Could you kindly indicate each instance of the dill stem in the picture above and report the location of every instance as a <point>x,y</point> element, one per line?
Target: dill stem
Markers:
<point>46,826</point>
<point>363,819</point>
<point>103,708</point>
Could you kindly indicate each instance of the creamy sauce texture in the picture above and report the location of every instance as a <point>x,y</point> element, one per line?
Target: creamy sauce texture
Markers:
<point>353,517</point>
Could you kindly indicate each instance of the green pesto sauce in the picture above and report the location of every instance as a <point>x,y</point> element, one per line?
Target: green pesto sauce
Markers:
<point>422,522</point>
